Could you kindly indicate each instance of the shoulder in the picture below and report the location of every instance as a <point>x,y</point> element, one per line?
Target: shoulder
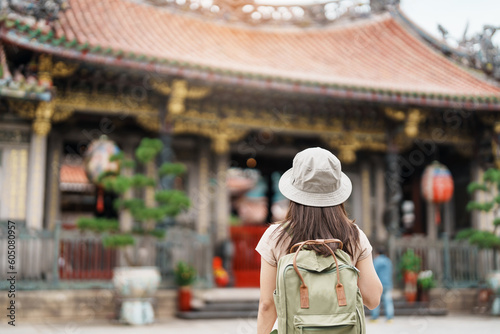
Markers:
<point>268,246</point>
<point>271,234</point>
<point>365,248</point>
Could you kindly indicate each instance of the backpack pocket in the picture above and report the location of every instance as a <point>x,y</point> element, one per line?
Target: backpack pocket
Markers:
<point>342,323</point>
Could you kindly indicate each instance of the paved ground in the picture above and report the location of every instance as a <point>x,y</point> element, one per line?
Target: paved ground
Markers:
<point>401,325</point>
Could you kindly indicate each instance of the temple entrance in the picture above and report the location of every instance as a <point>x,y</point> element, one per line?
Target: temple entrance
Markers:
<point>257,202</point>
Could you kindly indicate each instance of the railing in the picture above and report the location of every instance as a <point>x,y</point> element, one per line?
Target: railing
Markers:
<point>51,259</point>
<point>85,258</point>
<point>454,263</point>
<point>57,259</point>
<point>184,245</point>
<point>34,255</point>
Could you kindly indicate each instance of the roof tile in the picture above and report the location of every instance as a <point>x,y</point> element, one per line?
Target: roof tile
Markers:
<point>377,53</point>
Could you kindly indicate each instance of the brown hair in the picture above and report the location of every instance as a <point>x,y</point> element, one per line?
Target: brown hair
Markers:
<point>308,223</point>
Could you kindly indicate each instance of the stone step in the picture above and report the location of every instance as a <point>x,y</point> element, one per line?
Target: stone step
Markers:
<point>217,315</point>
<point>231,306</point>
<point>414,311</point>
<point>224,308</point>
<point>224,295</point>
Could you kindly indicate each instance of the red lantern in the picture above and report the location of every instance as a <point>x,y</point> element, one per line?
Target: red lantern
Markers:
<point>437,185</point>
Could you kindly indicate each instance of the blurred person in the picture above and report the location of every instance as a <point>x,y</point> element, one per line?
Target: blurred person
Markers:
<point>317,190</point>
<point>383,267</point>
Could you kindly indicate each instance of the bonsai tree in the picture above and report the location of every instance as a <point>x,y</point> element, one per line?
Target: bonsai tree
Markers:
<point>490,186</point>
<point>145,213</point>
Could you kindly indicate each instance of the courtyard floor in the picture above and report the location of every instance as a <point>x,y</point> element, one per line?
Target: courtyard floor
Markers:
<point>456,324</point>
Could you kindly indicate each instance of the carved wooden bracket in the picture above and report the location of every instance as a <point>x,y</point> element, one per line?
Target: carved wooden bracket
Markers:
<point>348,143</point>
<point>412,118</point>
<point>42,114</point>
<point>219,131</point>
<point>179,91</point>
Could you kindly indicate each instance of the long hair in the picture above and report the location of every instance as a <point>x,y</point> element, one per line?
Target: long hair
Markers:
<point>308,223</point>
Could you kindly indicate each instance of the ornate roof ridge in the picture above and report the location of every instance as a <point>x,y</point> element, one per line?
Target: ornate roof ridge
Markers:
<point>232,19</point>
<point>461,57</point>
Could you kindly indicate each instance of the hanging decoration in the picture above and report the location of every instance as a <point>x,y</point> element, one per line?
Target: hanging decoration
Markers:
<point>437,186</point>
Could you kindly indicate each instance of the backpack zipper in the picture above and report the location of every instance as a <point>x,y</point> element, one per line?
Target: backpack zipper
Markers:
<point>360,321</point>
<point>342,266</point>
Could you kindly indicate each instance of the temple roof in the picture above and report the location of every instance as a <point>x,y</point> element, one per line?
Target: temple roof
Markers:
<point>375,59</point>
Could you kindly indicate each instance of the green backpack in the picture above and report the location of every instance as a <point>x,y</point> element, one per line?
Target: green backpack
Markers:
<point>318,294</point>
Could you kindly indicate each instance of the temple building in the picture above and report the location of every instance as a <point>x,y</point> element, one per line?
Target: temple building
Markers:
<point>235,90</point>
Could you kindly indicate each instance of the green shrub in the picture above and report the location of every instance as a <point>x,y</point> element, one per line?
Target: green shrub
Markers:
<point>185,274</point>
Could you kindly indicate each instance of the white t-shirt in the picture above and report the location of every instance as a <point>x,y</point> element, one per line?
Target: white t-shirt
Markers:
<point>271,251</point>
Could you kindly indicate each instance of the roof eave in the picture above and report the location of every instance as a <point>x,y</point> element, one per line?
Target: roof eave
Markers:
<point>251,80</point>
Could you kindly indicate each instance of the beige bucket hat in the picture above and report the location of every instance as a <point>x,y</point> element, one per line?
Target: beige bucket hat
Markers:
<point>316,179</point>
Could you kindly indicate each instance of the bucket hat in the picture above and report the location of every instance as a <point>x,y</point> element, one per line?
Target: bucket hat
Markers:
<point>316,179</point>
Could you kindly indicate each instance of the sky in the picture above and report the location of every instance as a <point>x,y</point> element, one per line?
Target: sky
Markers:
<point>454,15</point>
<point>451,14</point>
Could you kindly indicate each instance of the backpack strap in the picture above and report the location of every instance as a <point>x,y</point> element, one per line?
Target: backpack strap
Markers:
<point>304,292</point>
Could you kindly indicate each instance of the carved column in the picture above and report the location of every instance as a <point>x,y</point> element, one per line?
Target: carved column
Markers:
<point>52,205</point>
<point>394,195</point>
<point>476,176</point>
<point>222,196</point>
<point>203,196</point>
<point>36,180</point>
<point>481,220</point>
<point>125,217</point>
<point>449,217</point>
<point>380,230</point>
<point>431,221</point>
<point>366,199</point>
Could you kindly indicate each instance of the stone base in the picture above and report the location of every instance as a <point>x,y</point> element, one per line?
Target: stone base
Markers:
<point>52,306</point>
<point>454,300</point>
<point>58,306</point>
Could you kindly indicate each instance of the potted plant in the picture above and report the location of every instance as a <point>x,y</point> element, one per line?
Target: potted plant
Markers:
<point>409,266</point>
<point>185,275</point>
<point>485,239</point>
<point>425,282</point>
<point>135,283</point>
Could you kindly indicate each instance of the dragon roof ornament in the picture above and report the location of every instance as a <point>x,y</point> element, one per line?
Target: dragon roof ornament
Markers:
<point>254,12</point>
<point>38,9</point>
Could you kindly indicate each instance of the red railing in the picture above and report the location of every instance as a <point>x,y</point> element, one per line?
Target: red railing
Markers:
<point>85,259</point>
<point>246,261</point>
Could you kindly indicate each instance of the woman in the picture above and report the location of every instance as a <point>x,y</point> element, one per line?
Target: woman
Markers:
<point>317,190</point>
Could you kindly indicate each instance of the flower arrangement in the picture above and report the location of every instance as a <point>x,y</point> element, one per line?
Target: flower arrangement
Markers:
<point>426,280</point>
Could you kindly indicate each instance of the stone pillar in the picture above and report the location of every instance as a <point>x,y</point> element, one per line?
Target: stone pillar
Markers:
<point>480,220</point>
<point>380,230</point>
<point>449,217</point>
<point>36,181</point>
<point>125,217</point>
<point>366,199</point>
<point>394,195</point>
<point>222,208</point>
<point>203,196</point>
<point>53,193</point>
<point>431,221</point>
